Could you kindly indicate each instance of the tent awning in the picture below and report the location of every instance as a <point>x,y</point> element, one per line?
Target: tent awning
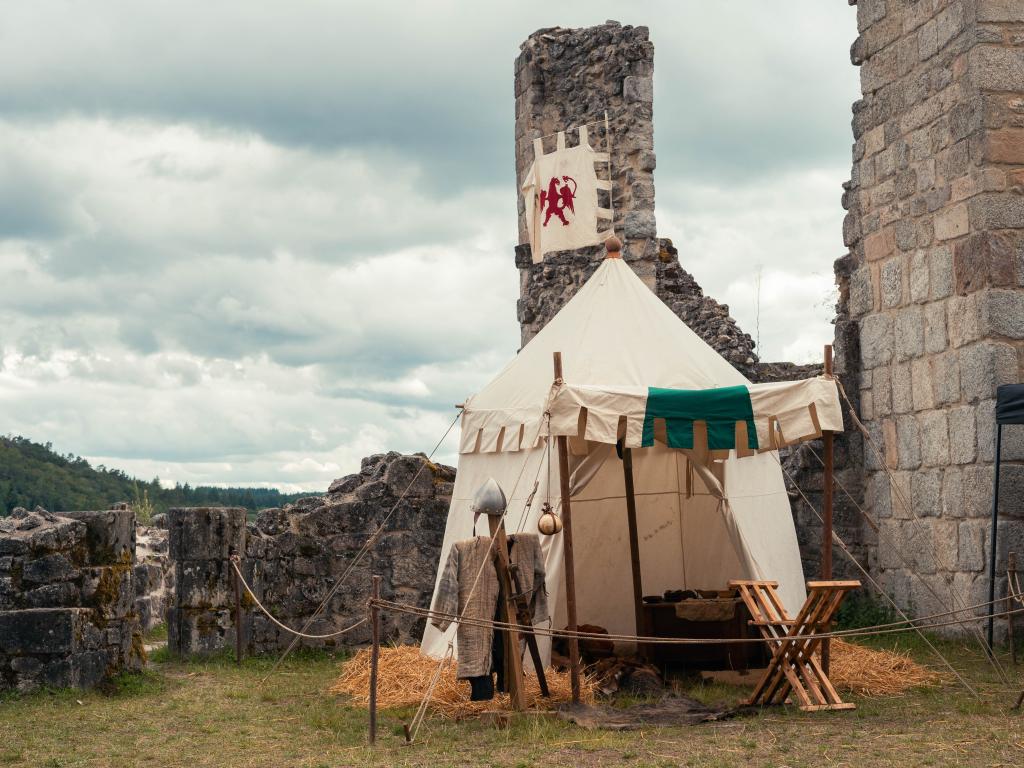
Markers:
<point>744,417</point>
<point>1010,404</point>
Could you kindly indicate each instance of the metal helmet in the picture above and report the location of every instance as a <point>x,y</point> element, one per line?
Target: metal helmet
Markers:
<point>490,499</point>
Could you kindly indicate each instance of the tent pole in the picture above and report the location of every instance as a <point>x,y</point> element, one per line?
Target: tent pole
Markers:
<point>569,563</point>
<point>634,544</point>
<point>826,508</point>
<point>992,544</point>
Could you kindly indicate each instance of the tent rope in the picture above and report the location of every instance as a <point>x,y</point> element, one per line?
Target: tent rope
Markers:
<point>362,551</point>
<point>908,625</point>
<point>870,578</point>
<point>418,717</point>
<point>955,596</point>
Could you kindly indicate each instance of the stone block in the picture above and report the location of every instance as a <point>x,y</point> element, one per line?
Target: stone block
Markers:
<point>908,442</point>
<point>995,68</point>
<point>881,392</point>
<point>892,283</point>
<point>946,378</point>
<point>962,435</point>
<point>199,631</point>
<point>934,436</point>
<point>940,278</point>
<point>876,340</point>
<point>996,210</point>
<point>110,590</point>
<point>48,569</point>
<point>410,475</point>
<point>52,631</point>
<point>1003,313</point>
<point>935,339</point>
<point>919,277</point>
<point>639,224</point>
<point>1000,10</point>
<point>977,485</point>
<point>862,299</point>
<point>902,389</point>
<point>206,533</point>
<point>952,493</point>
<point>202,583</point>
<point>926,493</point>
<point>908,333</point>
<point>985,365</point>
<point>636,88</point>
<point>880,245</point>
<point>952,222</point>
<point>964,319</point>
<point>878,495</point>
<point>110,534</point>
<point>921,384</point>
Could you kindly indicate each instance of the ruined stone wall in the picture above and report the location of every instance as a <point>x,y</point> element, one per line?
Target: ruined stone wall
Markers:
<point>293,556</point>
<point>565,77</point>
<point>67,598</point>
<point>931,315</point>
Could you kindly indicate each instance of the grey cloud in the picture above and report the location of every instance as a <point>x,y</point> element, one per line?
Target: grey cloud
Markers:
<point>435,83</point>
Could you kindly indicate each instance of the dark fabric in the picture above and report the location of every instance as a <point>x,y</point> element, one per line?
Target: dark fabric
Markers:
<point>1010,404</point>
<point>482,688</point>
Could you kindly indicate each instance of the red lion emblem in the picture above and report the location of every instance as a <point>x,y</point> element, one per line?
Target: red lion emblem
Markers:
<point>558,192</point>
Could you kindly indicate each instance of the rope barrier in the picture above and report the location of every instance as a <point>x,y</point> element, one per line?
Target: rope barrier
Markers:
<point>362,551</point>
<point>911,625</point>
<point>269,615</point>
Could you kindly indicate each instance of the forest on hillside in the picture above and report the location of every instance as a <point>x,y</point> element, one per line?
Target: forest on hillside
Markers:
<point>33,474</point>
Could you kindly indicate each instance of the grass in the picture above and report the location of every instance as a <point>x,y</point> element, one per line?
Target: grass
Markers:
<point>214,713</point>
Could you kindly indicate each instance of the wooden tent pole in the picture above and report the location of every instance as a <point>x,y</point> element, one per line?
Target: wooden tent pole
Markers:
<point>826,508</point>
<point>374,655</point>
<point>568,560</point>
<point>634,545</point>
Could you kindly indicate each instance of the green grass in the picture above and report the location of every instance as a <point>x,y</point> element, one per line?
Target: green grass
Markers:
<point>211,712</point>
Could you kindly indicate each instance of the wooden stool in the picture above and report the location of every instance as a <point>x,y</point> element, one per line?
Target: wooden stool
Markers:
<point>794,667</point>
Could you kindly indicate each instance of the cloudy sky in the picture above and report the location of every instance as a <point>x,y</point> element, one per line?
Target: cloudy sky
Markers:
<point>250,243</point>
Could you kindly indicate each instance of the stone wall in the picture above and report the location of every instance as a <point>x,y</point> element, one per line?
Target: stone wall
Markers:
<point>67,598</point>
<point>154,576</point>
<point>294,555</point>
<point>931,315</point>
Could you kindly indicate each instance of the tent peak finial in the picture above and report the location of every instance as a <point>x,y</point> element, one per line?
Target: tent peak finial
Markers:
<point>614,247</point>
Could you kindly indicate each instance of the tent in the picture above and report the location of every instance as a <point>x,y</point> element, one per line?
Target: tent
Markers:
<point>710,500</point>
<point>1009,410</point>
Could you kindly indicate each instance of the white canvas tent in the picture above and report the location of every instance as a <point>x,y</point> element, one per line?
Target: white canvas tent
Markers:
<point>705,515</point>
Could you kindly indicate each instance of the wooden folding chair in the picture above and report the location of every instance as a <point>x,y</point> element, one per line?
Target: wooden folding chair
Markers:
<point>794,668</point>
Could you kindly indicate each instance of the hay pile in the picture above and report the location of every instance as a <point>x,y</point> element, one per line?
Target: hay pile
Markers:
<point>876,673</point>
<point>404,675</point>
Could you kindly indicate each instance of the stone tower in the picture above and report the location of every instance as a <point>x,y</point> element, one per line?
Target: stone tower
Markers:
<point>931,313</point>
<point>568,77</point>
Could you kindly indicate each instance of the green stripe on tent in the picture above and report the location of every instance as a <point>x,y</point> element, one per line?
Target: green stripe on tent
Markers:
<point>719,408</point>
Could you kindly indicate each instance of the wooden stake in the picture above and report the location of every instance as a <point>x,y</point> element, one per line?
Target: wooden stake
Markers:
<point>826,508</point>
<point>1011,574</point>
<point>634,545</point>
<point>513,656</point>
<point>374,656</point>
<point>569,562</point>
<point>238,609</point>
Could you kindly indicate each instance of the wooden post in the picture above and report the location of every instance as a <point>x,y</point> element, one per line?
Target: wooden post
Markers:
<point>634,545</point>
<point>374,656</point>
<point>513,656</point>
<point>569,563</point>
<point>1011,579</point>
<point>826,509</point>
<point>236,562</point>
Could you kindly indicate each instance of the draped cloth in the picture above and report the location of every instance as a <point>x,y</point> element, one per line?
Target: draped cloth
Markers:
<point>460,591</point>
<point>561,200</point>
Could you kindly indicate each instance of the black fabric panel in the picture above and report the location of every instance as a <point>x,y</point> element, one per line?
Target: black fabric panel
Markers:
<point>1010,404</point>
